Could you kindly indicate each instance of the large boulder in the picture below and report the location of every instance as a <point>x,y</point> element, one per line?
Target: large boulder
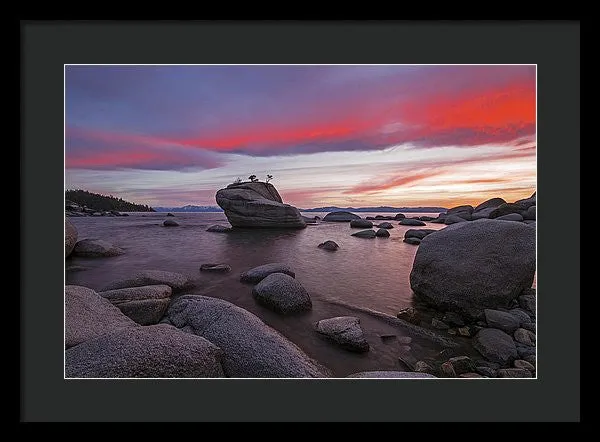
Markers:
<point>259,273</point>
<point>491,203</point>
<point>156,351</point>
<point>282,294</point>
<point>390,374</point>
<point>361,223</point>
<point>340,216</point>
<point>411,222</point>
<point>96,248</point>
<point>495,346</point>
<point>88,315</point>
<point>528,202</point>
<point>470,266</point>
<point>257,204</point>
<point>454,219</point>
<point>344,331</point>
<point>146,305</point>
<point>483,213</point>
<point>510,217</point>
<point>70,237</point>
<point>176,281</point>
<point>251,348</point>
<point>418,233</point>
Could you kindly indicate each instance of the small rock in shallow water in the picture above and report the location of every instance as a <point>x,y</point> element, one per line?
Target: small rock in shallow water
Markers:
<point>282,294</point>
<point>521,363</point>
<point>344,331</point>
<point>436,323</point>
<point>215,268</point>
<point>259,273</point>
<point>361,223</point>
<point>365,234</point>
<point>514,373</point>
<point>385,226</point>
<point>218,228</point>
<point>447,370</point>
<point>411,222</point>
<point>170,223</point>
<point>329,245</point>
<point>412,241</point>
<point>525,337</point>
<point>382,233</point>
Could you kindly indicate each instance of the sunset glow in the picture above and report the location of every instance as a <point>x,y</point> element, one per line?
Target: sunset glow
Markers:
<point>330,135</point>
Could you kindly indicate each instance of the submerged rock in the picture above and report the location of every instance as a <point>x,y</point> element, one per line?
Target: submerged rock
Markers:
<point>341,216</point>
<point>344,331</point>
<point>474,265</point>
<point>251,348</point>
<point>412,240</point>
<point>215,268</point>
<point>385,225</point>
<point>96,248</point>
<point>259,273</point>
<point>219,229</point>
<point>257,204</point>
<point>170,223</point>
<point>70,237</point>
<point>157,351</point>
<point>176,281</point>
<point>282,294</point>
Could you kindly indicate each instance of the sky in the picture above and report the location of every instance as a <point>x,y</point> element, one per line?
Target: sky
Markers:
<point>360,135</point>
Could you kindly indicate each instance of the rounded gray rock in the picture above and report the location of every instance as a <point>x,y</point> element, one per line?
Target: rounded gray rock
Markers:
<point>341,216</point>
<point>399,216</point>
<point>510,217</point>
<point>382,233</point>
<point>474,265</point>
<point>454,219</point>
<point>251,348</point>
<point>411,222</point>
<point>344,331</point>
<point>146,305</point>
<point>170,223</point>
<point>70,237</point>
<point>157,351</point>
<point>418,233</point>
<point>96,248</point>
<point>282,294</point>
<point>502,320</point>
<point>218,228</point>
<point>365,234</point>
<point>491,203</point>
<point>525,337</point>
<point>329,245</point>
<point>259,273</point>
<point>495,345</point>
<point>412,240</point>
<point>385,225</point>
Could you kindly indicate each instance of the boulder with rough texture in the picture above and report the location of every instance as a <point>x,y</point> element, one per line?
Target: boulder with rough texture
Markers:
<point>528,202</point>
<point>251,348</point>
<point>483,213</point>
<point>170,223</point>
<point>418,233</point>
<point>146,305</point>
<point>453,219</point>
<point>390,374</point>
<point>510,217</point>
<point>501,320</point>
<point>361,223</point>
<point>329,245</point>
<point>385,226</point>
<point>259,273</point>
<point>506,209</point>
<point>412,240</point>
<point>257,204</point>
<point>176,281</point>
<point>382,233</point>
<point>365,234</point>
<point>221,268</point>
<point>460,209</point>
<point>70,237</point>
<point>88,315</point>
<point>525,337</point>
<point>530,213</point>
<point>282,294</point>
<point>156,351</point>
<point>96,248</point>
<point>340,216</point>
<point>491,203</point>
<point>411,222</point>
<point>344,331</point>
<point>219,229</point>
<point>474,265</point>
<point>496,346</point>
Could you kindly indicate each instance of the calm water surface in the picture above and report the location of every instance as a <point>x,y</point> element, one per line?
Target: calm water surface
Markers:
<point>364,273</point>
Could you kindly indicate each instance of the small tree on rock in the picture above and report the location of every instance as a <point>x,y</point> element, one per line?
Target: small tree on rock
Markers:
<point>253,178</point>
<point>269,178</point>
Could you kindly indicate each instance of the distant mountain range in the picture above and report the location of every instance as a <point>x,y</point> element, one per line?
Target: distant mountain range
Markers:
<point>191,208</point>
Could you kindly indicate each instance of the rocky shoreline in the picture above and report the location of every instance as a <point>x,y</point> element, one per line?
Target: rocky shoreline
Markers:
<point>471,281</point>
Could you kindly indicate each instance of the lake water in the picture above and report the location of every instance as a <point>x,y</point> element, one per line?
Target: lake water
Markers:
<point>363,273</point>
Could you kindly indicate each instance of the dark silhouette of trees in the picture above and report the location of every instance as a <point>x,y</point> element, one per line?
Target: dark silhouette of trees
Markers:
<point>269,178</point>
<point>103,203</point>
<point>253,178</point>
